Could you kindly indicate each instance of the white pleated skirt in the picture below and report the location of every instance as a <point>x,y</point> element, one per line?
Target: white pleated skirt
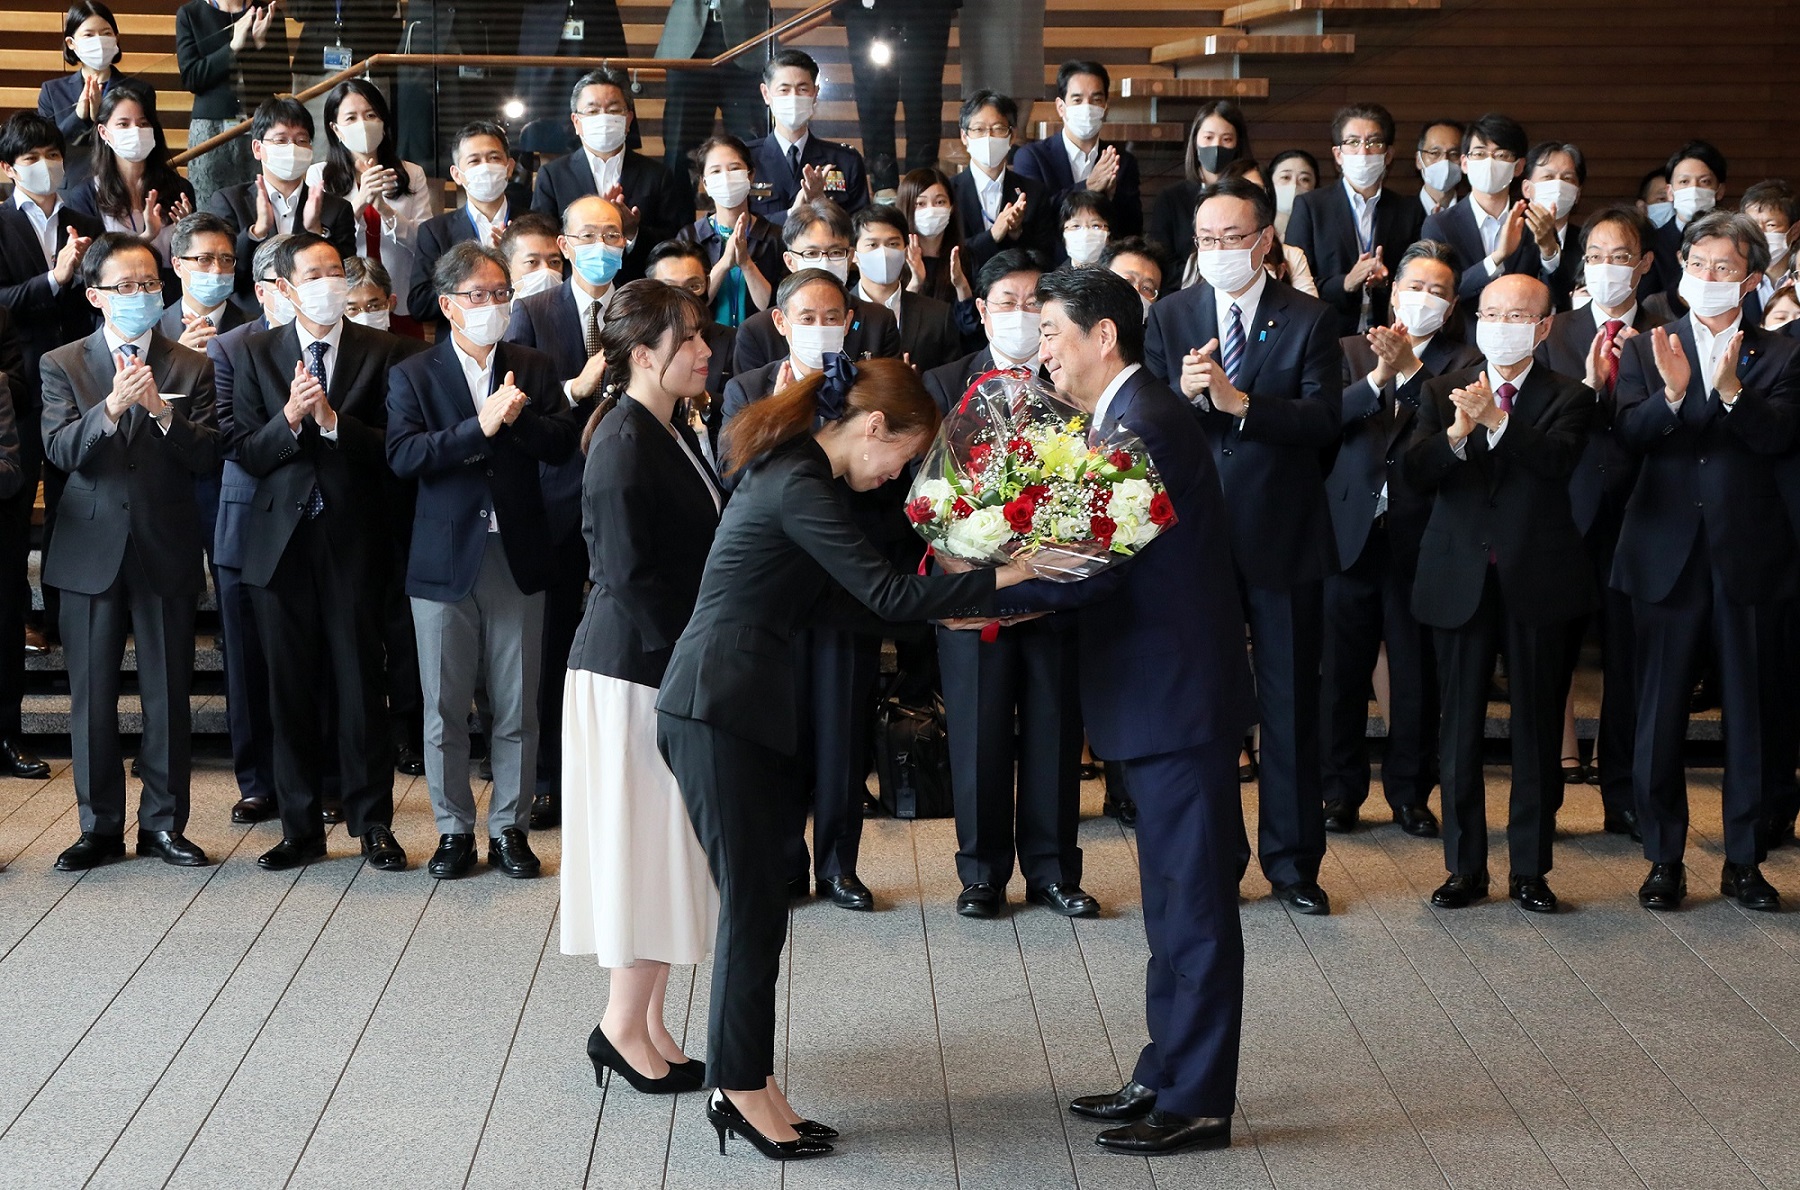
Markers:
<point>635,882</point>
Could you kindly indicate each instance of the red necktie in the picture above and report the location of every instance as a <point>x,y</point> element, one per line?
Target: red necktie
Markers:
<point>1504,397</point>
<point>1613,327</point>
<point>372,231</point>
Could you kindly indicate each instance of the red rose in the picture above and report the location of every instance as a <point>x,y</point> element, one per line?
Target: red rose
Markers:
<point>1162,509</point>
<point>1037,493</point>
<point>1021,449</point>
<point>961,508</point>
<point>1019,513</point>
<point>1103,528</point>
<point>978,455</point>
<point>1120,460</point>
<point>920,512</point>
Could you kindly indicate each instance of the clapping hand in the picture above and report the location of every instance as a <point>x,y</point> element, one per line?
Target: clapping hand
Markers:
<point>1601,358</point>
<point>1476,404</point>
<point>502,407</point>
<point>309,217</point>
<point>1369,271</point>
<point>1394,355</point>
<point>196,330</point>
<point>88,102</point>
<point>812,186</point>
<point>259,28</point>
<point>69,259</point>
<point>265,212</point>
<point>305,395</point>
<point>628,214</point>
<point>1543,230</point>
<point>132,385</point>
<point>1010,220</point>
<point>153,216</point>
<point>915,263</point>
<point>587,382</point>
<point>1512,231</point>
<point>1671,364</point>
<point>1725,381</point>
<point>1105,174</point>
<point>959,280</point>
<point>1202,373</point>
<point>373,187</point>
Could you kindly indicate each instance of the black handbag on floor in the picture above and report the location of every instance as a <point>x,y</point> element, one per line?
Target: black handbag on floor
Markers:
<point>912,758</point>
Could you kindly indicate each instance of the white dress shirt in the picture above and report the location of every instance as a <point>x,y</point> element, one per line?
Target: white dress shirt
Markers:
<point>583,300</point>
<point>606,170</point>
<point>113,343</point>
<point>1490,227</point>
<point>399,230</point>
<point>1430,205</point>
<point>784,144</point>
<point>331,339</point>
<point>1080,164</point>
<point>284,207</point>
<point>892,303</point>
<point>480,379</point>
<point>484,227</point>
<point>1364,210</point>
<point>988,191</point>
<point>1708,347</point>
<point>1112,390</point>
<point>45,227</point>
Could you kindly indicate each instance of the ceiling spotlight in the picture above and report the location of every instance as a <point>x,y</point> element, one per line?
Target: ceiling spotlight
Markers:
<point>880,52</point>
<point>513,109</point>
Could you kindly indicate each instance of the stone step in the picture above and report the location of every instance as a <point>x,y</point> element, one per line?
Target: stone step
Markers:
<point>208,657</point>
<point>48,714</point>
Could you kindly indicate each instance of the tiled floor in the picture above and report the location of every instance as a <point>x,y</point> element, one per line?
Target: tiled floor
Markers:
<point>346,1027</point>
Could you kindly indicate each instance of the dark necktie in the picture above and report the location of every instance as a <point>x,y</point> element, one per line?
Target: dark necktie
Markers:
<point>590,334</point>
<point>135,414</point>
<point>793,158</point>
<point>315,499</point>
<point>1613,327</point>
<point>1504,397</point>
<point>1234,344</point>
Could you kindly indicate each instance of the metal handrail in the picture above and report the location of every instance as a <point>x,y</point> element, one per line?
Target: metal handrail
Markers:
<point>794,26</point>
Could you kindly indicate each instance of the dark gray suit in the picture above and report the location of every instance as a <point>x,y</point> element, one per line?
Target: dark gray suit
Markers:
<point>129,560</point>
<point>690,32</point>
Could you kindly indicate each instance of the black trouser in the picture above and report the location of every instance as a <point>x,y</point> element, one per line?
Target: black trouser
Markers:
<point>694,94</point>
<point>405,697</point>
<point>15,593</point>
<point>319,621</point>
<point>246,687</point>
<point>1537,678</point>
<point>1618,691</point>
<point>729,785</point>
<point>1286,646</point>
<point>1671,636</point>
<point>836,693</point>
<point>920,42</point>
<point>1781,727</point>
<point>1371,602</point>
<point>1013,706</point>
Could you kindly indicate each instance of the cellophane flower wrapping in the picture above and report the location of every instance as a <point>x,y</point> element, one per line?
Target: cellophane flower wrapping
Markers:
<point>1016,472</point>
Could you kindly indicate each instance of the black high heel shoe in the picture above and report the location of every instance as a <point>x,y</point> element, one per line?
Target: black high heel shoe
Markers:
<point>692,1073</point>
<point>606,1057</point>
<point>728,1120</point>
<point>816,1130</point>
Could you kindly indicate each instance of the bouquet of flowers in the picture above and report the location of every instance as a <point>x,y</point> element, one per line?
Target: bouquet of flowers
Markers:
<point>1014,472</point>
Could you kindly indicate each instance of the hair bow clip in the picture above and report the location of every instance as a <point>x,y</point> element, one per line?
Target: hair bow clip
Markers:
<point>834,393</point>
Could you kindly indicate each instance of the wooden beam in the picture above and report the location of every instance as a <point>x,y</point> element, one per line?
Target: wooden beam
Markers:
<point>1199,49</point>
<point>1253,12</point>
<point>1134,87</point>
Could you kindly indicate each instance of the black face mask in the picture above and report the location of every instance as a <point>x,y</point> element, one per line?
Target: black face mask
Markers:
<point>1214,158</point>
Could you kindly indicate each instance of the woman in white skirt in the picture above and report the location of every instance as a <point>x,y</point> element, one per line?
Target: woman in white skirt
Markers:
<point>636,890</point>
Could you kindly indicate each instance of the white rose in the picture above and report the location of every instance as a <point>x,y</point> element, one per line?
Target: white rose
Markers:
<point>1131,531</point>
<point>938,491</point>
<point>1072,529</point>
<point>979,534</point>
<point>1130,500</point>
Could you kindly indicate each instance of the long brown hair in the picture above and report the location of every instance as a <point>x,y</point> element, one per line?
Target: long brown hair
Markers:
<point>915,182</point>
<point>640,314</point>
<point>887,386</point>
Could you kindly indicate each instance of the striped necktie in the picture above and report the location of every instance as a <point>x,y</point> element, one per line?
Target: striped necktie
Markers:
<point>1234,344</point>
<point>315,499</point>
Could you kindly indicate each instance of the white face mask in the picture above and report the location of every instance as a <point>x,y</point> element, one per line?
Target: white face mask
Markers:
<point>1442,175</point>
<point>603,134</point>
<point>378,319</point>
<point>277,310</point>
<point>839,269</point>
<point>1228,270</point>
<point>811,344</point>
<point>323,299</point>
<point>1014,334</point>
<point>989,152</point>
<point>1084,119</point>
<point>1421,313</point>
<point>287,162</point>
<point>485,326</point>
<point>931,221</point>
<point>97,53</point>
<point>1285,192</point>
<point>536,281</point>
<point>1609,284</point>
<point>729,188</point>
<point>1694,200</point>
<point>1556,197</point>
<point>1506,343</point>
<point>1363,170</point>
<point>1778,245</point>
<point>1490,175</point>
<point>1659,213</point>
<point>40,176</point>
<point>1084,244</point>
<point>485,182</point>
<point>1709,299</point>
<point>880,266</point>
<point>362,137</point>
<point>131,144</point>
<point>793,111</point>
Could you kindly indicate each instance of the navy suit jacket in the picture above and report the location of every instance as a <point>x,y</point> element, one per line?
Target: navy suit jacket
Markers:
<point>948,383</point>
<point>849,188</point>
<point>231,316</point>
<point>872,332</point>
<point>1273,464</point>
<point>1324,227</point>
<point>45,320</point>
<point>1162,633</point>
<point>237,487</point>
<point>436,236</point>
<point>434,436</point>
<point>1040,232</point>
<point>1706,469</point>
<point>237,206</point>
<point>1456,226</point>
<point>548,321</point>
<point>1047,161</point>
<point>665,204</point>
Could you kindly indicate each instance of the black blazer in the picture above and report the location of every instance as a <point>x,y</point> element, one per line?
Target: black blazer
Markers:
<point>1705,469</point>
<point>135,485</point>
<point>436,236</point>
<point>549,322</point>
<point>1047,161</point>
<point>1172,226</point>
<point>57,99</point>
<point>12,389</point>
<point>1377,426</point>
<point>846,182</point>
<point>231,316</point>
<point>665,203</point>
<point>1606,472</point>
<point>1273,466</point>
<point>218,77</point>
<point>765,246</point>
<point>434,435</point>
<point>349,471</point>
<point>1324,227</point>
<point>45,320</point>
<point>872,333</point>
<point>1510,503</point>
<point>237,206</point>
<point>788,556</point>
<point>949,382</point>
<point>928,334</point>
<point>1041,231</point>
<point>649,520</point>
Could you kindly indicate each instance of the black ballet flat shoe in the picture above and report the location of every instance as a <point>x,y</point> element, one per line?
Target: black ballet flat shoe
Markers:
<point>606,1057</point>
<point>1573,774</point>
<point>727,1120</point>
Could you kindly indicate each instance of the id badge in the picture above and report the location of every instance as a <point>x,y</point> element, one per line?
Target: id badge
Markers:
<point>337,57</point>
<point>572,29</point>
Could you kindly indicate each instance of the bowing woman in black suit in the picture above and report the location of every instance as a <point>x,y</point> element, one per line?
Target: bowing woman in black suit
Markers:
<point>788,556</point>
<point>635,886</point>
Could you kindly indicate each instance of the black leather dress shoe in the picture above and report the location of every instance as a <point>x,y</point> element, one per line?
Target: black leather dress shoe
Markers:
<point>847,892</point>
<point>1070,900</point>
<point>253,809</point>
<point>1165,1132</point>
<point>291,853</point>
<point>1340,817</point>
<point>485,769</point>
<point>382,850</point>
<point>331,813</point>
<point>1664,887</point>
<point>1461,891</point>
<point>172,847</point>
<point>137,767</point>
<point>454,856</point>
<point>546,811</point>
<point>90,851</point>
<point>16,761</point>
<point>1625,822</point>
<point>511,854</point>
<point>1304,897</point>
<point>1745,883</point>
<point>980,900</point>
<point>1532,893</point>
<point>408,761</point>
<point>1120,807</point>
<point>1417,821</point>
<point>1130,1102</point>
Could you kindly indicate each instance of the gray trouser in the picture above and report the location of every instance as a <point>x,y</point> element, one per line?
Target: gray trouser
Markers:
<point>494,633</point>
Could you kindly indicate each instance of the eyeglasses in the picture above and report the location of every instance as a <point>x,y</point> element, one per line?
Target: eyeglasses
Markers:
<point>1001,130</point>
<point>212,260</point>
<point>1623,258</point>
<point>1506,155</point>
<point>1717,270</point>
<point>1431,156</point>
<point>1511,317</point>
<point>615,239</point>
<point>1030,306</point>
<point>131,288</point>
<point>814,255</point>
<point>484,297</point>
<point>1229,242</point>
<point>1370,144</point>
